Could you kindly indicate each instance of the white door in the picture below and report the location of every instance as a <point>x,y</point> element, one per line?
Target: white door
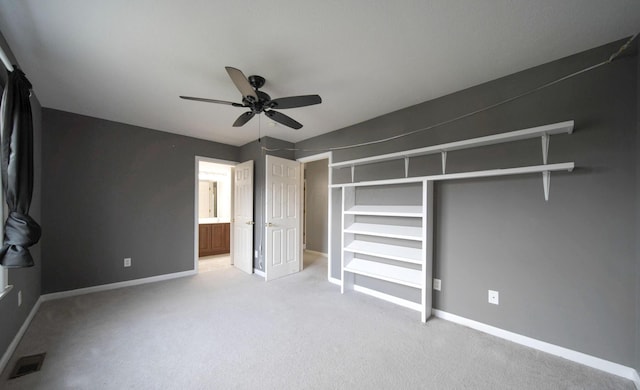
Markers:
<point>242,221</point>
<point>283,222</point>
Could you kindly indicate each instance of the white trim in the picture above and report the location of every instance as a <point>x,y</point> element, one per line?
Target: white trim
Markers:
<point>5,292</point>
<point>389,298</point>
<point>259,273</point>
<point>575,356</point>
<point>335,281</point>
<point>555,128</point>
<point>113,286</point>
<point>16,340</point>
<point>316,157</point>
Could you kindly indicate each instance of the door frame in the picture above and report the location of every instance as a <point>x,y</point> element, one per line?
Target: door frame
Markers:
<point>196,203</point>
<point>322,156</point>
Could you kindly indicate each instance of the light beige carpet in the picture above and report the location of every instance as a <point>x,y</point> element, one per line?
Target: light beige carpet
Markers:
<point>228,330</point>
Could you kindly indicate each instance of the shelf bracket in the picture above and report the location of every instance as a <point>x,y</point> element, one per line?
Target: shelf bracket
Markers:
<point>546,175</point>
<point>406,167</point>
<point>545,147</point>
<point>546,181</point>
<point>353,173</point>
<point>444,161</point>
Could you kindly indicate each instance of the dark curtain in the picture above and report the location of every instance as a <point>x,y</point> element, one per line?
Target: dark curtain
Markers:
<point>16,125</point>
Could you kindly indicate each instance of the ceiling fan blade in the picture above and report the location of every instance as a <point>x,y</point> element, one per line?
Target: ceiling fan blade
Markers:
<point>241,82</point>
<point>282,118</point>
<point>244,118</point>
<point>197,99</point>
<point>295,101</point>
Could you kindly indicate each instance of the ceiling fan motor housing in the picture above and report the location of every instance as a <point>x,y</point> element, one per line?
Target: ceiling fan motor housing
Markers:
<point>256,81</point>
<point>260,105</point>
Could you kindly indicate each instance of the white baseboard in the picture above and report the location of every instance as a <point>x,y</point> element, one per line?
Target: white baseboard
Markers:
<point>16,340</point>
<point>578,357</point>
<point>112,286</point>
<point>388,298</point>
<point>259,273</point>
<point>335,281</point>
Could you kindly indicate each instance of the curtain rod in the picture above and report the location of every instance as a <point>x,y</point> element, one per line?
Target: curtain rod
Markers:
<point>5,60</point>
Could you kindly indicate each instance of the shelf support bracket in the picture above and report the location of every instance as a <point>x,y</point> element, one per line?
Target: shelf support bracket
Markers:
<point>545,147</point>
<point>444,161</point>
<point>546,181</point>
<point>546,175</point>
<point>406,167</point>
<point>353,173</point>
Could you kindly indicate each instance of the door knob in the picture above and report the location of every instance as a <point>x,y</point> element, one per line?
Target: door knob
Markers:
<point>268,224</point>
<point>250,223</point>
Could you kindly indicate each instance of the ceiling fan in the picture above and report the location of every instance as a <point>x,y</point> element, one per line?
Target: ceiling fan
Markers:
<point>258,102</point>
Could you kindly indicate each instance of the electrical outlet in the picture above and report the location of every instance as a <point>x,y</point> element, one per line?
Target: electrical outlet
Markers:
<point>19,298</point>
<point>494,297</point>
<point>127,261</point>
<point>437,284</point>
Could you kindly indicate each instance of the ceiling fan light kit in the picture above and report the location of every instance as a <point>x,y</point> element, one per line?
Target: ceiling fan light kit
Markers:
<point>260,102</point>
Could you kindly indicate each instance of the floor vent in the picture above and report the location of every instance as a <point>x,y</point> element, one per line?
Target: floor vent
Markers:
<point>27,365</point>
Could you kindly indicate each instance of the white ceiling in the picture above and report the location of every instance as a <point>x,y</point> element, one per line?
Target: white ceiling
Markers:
<point>128,61</point>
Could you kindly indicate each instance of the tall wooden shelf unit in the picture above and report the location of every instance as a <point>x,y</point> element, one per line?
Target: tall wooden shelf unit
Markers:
<point>387,225</point>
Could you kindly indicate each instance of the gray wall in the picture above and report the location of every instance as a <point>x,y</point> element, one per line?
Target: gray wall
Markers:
<point>637,230</point>
<point>111,191</point>
<point>254,151</point>
<point>317,178</point>
<point>26,280</point>
<point>565,269</point>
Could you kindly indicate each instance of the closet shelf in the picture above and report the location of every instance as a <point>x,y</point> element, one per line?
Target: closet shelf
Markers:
<point>555,128</point>
<point>391,273</point>
<point>390,231</point>
<point>391,252</point>
<point>567,166</point>
<point>386,211</point>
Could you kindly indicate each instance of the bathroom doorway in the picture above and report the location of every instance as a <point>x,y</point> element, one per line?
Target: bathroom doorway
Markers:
<point>214,209</point>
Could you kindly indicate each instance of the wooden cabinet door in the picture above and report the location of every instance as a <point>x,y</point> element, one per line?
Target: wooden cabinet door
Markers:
<point>204,240</point>
<point>213,239</point>
<point>218,242</point>
<point>227,237</point>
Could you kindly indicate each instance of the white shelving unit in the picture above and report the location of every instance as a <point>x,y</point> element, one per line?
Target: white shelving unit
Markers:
<point>390,238</point>
<point>393,244</point>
